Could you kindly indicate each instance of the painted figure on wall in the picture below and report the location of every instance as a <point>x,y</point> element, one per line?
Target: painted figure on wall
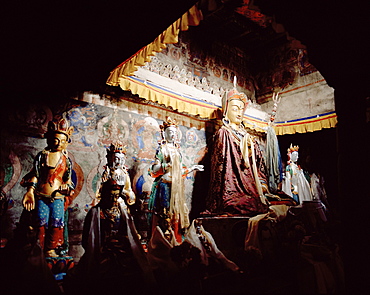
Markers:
<point>295,184</point>
<point>167,204</point>
<point>50,188</point>
<point>235,186</point>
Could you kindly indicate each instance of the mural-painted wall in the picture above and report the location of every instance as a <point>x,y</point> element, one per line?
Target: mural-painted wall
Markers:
<point>96,125</point>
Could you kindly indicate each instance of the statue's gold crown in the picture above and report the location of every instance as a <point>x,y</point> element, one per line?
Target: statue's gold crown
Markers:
<point>292,149</point>
<point>235,94</point>
<point>59,126</point>
<point>117,147</point>
<point>169,122</point>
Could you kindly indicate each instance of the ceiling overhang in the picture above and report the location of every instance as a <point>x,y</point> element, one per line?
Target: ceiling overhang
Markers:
<point>240,25</point>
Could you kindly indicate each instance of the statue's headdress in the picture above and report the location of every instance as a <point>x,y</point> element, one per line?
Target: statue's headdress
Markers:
<point>59,126</point>
<point>168,123</point>
<point>234,94</point>
<point>292,149</point>
<point>116,147</point>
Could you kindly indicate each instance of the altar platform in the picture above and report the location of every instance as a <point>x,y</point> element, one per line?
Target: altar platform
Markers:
<point>228,232</point>
<point>297,254</point>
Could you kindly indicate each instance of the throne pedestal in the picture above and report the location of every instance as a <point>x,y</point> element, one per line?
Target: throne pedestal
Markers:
<point>228,232</point>
<point>59,266</point>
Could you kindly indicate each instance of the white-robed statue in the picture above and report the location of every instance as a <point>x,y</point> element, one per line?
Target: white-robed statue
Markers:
<point>167,206</point>
<point>295,183</point>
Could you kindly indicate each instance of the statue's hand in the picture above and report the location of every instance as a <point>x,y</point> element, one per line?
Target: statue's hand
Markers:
<point>130,197</point>
<point>156,166</point>
<point>94,202</point>
<point>197,168</point>
<point>64,189</point>
<point>29,200</point>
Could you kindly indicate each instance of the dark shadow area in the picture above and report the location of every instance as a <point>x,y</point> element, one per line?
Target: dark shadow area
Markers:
<point>201,182</point>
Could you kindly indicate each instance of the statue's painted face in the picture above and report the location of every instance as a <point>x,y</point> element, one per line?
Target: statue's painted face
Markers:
<point>57,142</point>
<point>235,111</point>
<point>294,156</point>
<point>119,160</point>
<point>170,134</point>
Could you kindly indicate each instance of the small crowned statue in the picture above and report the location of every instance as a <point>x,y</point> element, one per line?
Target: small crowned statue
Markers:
<point>115,192</point>
<point>110,239</point>
<point>295,183</point>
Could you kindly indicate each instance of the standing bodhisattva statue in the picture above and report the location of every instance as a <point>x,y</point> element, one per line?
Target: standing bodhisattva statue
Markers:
<point>50,188</point>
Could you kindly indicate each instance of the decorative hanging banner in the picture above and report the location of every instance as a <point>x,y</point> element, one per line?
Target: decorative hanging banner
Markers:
<point>202,104</point>
<point>180,102</point>
<point>169,36</point>
<point>184,103</point>
<point>308,124</point>
<point>254,119</point>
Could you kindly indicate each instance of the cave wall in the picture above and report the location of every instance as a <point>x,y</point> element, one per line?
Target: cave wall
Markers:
<point>97,122</point>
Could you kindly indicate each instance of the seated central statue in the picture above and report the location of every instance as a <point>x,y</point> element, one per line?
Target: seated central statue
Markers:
<point>235,187</point>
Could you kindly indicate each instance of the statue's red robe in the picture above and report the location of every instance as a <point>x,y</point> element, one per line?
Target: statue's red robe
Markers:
<point>232,188</point>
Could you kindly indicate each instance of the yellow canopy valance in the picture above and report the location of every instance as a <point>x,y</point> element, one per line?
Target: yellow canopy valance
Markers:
<point>208,110</point>
<point>308,124</point>
<point>179,102</point>
<point>123,76</point>
<point>169,36</point>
